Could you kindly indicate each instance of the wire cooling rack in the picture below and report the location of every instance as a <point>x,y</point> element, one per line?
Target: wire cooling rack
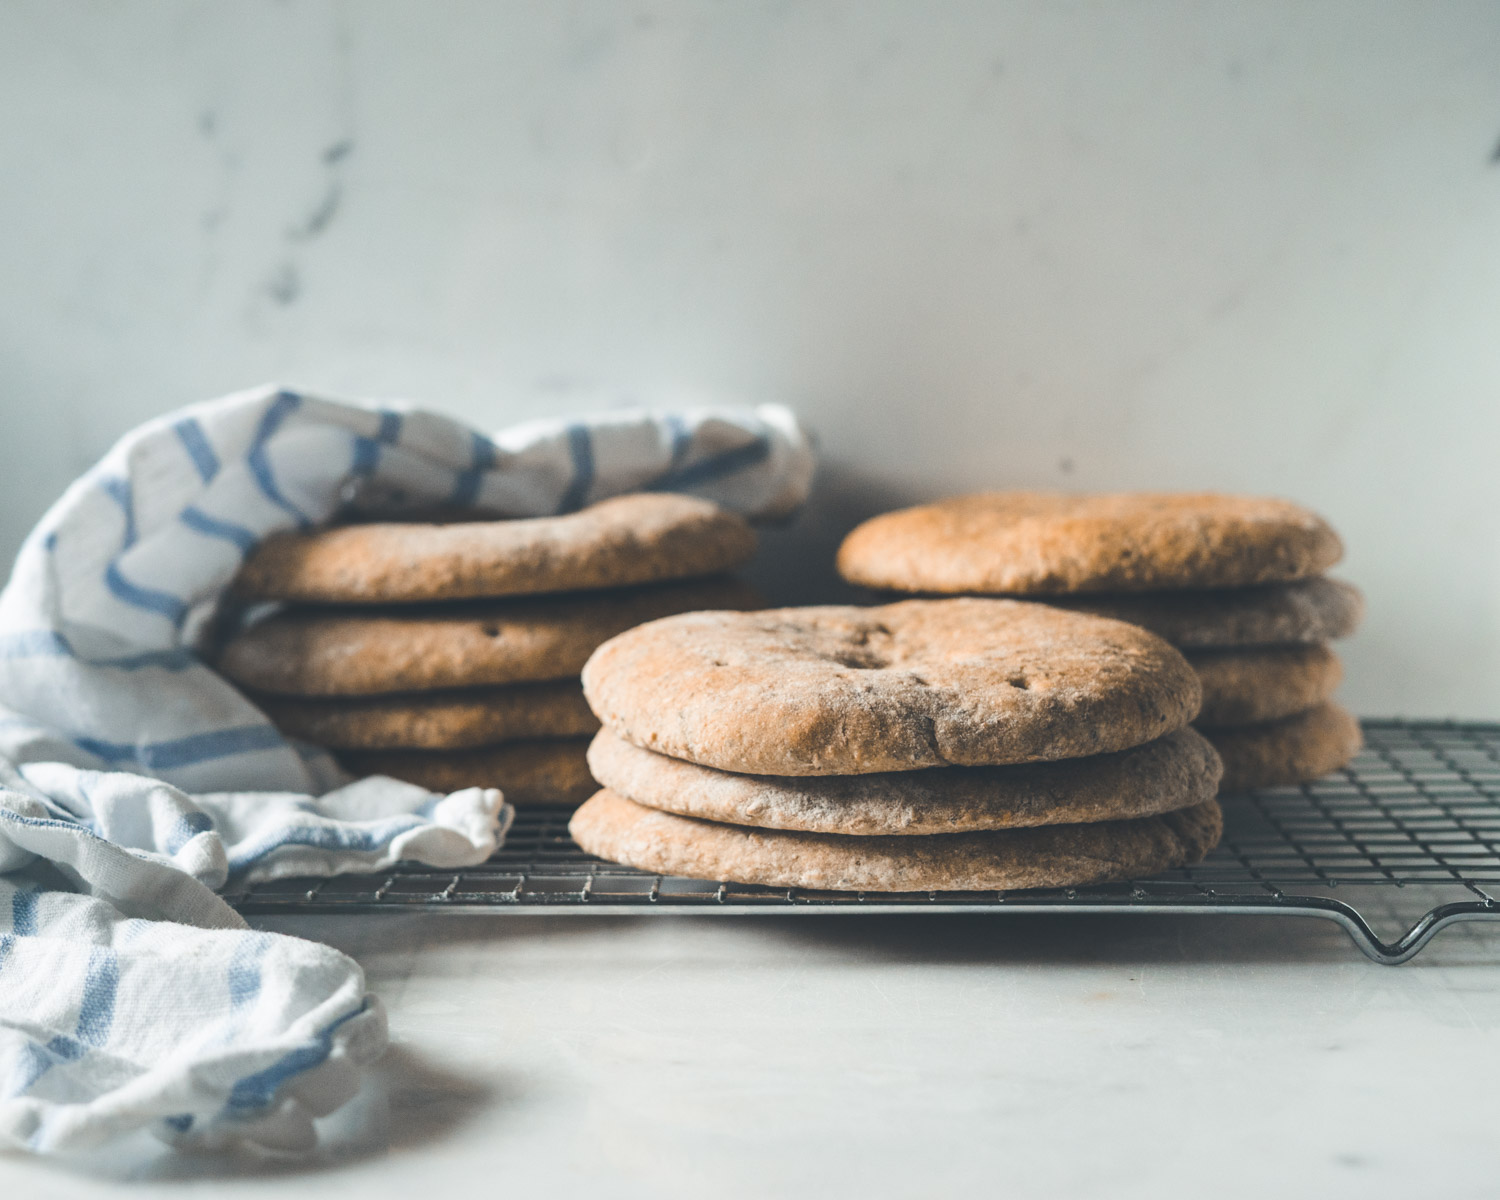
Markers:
<point>1409,830</point>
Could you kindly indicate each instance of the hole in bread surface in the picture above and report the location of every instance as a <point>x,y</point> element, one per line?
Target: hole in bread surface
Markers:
<point>855,661</point>
<point>868,649</point>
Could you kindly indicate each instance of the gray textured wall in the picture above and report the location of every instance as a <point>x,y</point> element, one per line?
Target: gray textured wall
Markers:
<point>977,244</point>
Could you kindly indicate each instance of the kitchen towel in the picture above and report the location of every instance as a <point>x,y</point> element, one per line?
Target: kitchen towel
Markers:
<point>134,781</point>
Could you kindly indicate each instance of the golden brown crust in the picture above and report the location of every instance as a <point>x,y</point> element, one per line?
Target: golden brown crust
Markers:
<point>1176,771</point>
<point>612,827</point>
<point>1052,543</point>
<point>840,690</point>
<point>436,720</point>
<point>320,652</point>
<point>640,538</point>
<point>1279,614</point>
<point>551,773</point>
<point>1264,683</point>
<point>1293,750</point>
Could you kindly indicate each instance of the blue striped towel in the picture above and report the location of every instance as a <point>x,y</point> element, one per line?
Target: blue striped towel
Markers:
<point>135,782</point>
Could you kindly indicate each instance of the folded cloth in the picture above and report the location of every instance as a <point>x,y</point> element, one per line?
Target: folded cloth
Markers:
<point>140,999</point>
<point>134,781</point>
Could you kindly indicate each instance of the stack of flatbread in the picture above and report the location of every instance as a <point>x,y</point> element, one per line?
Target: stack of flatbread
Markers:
<point>447,654</point>
<point>1236,582</point>
<point>966,744</point>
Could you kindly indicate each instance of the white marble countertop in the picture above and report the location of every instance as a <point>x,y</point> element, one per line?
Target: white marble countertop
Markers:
<point>909,1056</point>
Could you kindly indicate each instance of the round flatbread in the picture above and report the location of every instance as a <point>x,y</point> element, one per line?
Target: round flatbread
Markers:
<point>332,652</point>
<point>1176,771</point>
<point>436,720</point>
<point>553,773</point>
<point>1052,543</point>
<point>1280,614</point>
<point>615,828</point>
<point>1294,750</point>
<point>640,538</point>
<point>1265,683</point>
<point>839,690</point>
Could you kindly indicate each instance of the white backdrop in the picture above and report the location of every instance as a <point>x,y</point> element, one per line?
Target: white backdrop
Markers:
<point>1228,245</point>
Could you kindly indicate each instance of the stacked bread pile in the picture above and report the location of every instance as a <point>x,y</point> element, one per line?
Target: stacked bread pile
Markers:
<point>448,654</point>
<point>1235,582</point>
<point>963,744</point>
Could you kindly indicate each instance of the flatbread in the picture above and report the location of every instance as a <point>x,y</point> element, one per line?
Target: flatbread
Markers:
<point>641,538</point>
<point>840,690</point>
<point>436,720</point>
<point>1054,543</point>
<point>342,652</point>
<point>1303,612</point>
<point>1175,771</point>
<point>551,773</point>
<point>1264,683</point>
<point>1290,751</point>
<point>612,827</point>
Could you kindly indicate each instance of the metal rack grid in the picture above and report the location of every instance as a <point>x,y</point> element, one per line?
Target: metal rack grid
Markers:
<point>1415,817</point>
